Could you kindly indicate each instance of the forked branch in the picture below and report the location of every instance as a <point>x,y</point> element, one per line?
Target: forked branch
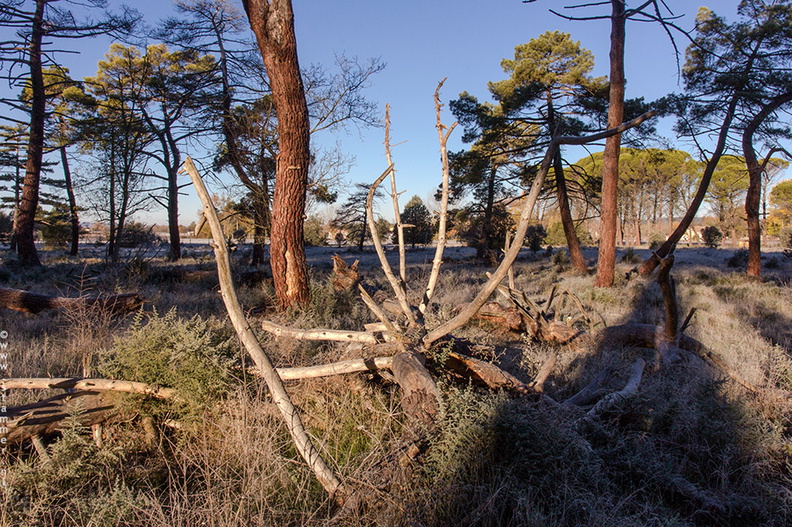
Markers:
<point>529,202</point>
<point>398,286</point>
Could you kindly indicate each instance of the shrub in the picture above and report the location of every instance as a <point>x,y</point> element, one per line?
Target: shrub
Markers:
<point>136,234</point>
<point>55,226</point>
<point>712,236</point>
<point>192,355</point>
<point>535,237</point>
<point>656,239</point>
<point>556,236</point>
<point>785,237</point>
<point>738,259</point>
<point>630,256</point>
<point>313,232</point>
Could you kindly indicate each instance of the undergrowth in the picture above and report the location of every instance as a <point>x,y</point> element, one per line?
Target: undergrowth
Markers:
<point>693,448</point>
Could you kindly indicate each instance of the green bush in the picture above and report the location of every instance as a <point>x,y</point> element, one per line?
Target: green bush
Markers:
<point>313,232</point>
<point>712,236</point>
<point>656,239</point>
<point>535,237</point>
<point>193,356</point>
<point>630,256</point>
<point>738,259</point>
<point>55,227</point>
<point>136,234</point>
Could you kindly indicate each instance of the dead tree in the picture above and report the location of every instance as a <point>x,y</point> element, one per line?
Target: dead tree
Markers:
<point>407,331</point>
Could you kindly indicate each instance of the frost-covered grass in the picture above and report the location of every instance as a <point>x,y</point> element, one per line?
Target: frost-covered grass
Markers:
<point>691,449</point>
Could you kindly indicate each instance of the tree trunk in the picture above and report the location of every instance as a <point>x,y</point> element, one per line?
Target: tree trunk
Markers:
<point>753,197</point>
<point>606,261</point>
<point>273,24</point>
<point>573,243</point>
<point>485,242</point>
<point>25,226</point>
<point>173,213</point>
<point>653,261</point>
<point>73,218</point>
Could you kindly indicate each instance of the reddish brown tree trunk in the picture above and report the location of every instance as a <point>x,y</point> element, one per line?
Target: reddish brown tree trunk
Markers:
<point>606,261</point>
<point>754,195</point>
<point>573,243</point>
<point>273,24</point>
<point>25,224</point>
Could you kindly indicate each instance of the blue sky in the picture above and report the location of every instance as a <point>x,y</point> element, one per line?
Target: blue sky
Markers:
<point>423,41</point>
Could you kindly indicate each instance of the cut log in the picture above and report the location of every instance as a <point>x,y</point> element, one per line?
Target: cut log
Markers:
<point>508,318</point>
<point>420,396</point>
<point>33,303</point>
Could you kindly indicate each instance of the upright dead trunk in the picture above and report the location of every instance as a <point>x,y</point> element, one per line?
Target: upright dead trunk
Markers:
<point>606,261</point>
<point>73,218</point>
<point>754,195</point>
<point>273,24</point>
<point>25,224</point>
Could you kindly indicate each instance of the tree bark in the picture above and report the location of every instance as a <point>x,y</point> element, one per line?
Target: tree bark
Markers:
<point>273,24</point>
<point>25,226</point>
<point>754,195</point>
<point>73,217</point>
<point>573,243</point>
<point>173,211</point>
<point>606,261</point>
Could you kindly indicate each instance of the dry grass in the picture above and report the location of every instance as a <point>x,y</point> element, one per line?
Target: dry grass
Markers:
<point>691,449</point>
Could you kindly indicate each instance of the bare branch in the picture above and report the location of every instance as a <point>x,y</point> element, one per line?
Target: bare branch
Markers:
<point>442,227</point>
<point>76,383</point>
<point>397,285</point>
<point>530,201</point>
<point>281,398</point>
<point>395,198</point>
<point>323,334</point>
<point>629,390</point>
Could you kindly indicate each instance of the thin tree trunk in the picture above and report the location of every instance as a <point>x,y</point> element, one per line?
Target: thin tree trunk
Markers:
<point>485,241</point>
<point>606,261</point>
<point>573,243</point>
<point>753,197</point>
<point>73,218</point>
<point>25,227</point>
<point>173,212</point>
<point>273,24</point>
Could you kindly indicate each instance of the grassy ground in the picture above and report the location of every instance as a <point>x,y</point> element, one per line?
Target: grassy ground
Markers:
<point>691,449</point>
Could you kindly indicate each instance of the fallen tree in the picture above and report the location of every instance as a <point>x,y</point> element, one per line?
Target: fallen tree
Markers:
<point>33,303</point>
